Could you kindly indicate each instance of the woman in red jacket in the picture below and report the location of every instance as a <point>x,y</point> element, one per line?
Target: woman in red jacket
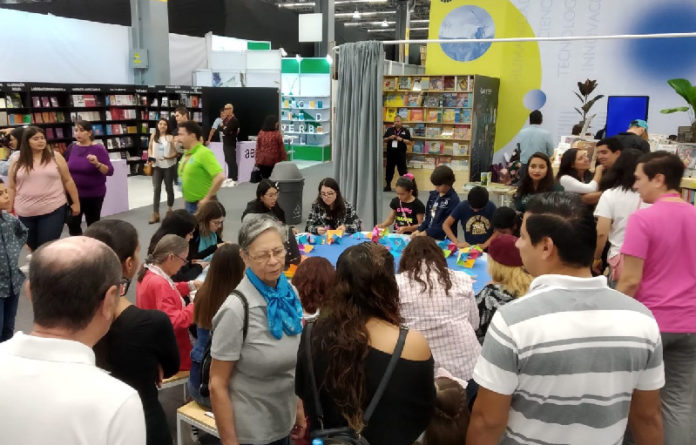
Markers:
<point>269,147</point>
<point>156,290</point>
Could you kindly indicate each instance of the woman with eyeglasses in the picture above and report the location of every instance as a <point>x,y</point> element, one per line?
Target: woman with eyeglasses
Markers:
<point>331,212</point>
<point>156,290</point>
<point>266,201</point>
<point>252,378</point>
<point>140,348</point>
<point>207,236</point>
<point>180,222</point>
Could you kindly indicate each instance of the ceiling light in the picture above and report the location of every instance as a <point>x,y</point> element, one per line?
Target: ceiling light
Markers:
<point>356,14</point>
<point>385,24</point>
<point>381,30</point>
<point>362,14</point>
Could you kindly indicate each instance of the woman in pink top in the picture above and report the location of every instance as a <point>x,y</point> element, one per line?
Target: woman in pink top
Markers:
<point>269,147</point>
<point>39,179</point>
<point>156,290</point>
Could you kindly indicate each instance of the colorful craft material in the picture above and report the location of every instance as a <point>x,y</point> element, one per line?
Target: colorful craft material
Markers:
<point>467,256</point>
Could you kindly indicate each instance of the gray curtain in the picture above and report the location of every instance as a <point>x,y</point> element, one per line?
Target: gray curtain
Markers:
<point>358,152</point>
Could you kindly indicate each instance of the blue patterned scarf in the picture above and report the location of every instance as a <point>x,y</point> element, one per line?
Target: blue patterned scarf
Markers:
<point>284,310</point>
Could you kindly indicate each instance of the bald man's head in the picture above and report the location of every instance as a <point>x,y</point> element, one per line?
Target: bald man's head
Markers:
<point>68,280</point>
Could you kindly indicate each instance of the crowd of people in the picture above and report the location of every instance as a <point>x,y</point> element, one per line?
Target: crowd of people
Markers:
<point>549,351</point>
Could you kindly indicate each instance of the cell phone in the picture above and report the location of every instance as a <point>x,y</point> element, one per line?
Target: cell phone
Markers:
<point>151,159</point>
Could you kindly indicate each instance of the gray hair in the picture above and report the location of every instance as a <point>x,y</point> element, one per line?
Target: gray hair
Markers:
<point>167,245</point>
<point>256,224</point>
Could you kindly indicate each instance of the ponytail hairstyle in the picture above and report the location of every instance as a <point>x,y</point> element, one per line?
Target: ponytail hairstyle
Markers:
<point>450,418</point>
<point>167,245</point>
<point>408,182</point>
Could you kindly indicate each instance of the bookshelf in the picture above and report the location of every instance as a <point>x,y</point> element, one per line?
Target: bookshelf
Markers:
<point>688,190</point>
<point>122,116</point>
<point>451,119</point>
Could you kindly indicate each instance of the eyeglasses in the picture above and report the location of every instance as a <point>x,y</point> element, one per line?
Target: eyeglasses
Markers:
<point>217,222</point>
<point>271,195</point>
<point>266,256</point>
<point>184,260</point>
<point>327,194</point>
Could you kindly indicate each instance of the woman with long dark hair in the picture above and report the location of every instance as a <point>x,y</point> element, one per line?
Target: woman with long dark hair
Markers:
<point>38,182</point>
<point>226,271</point>
<point>616,204</point>
<point>331,211</point>
<point>207,236</point>
<point>439,302</point>
<point>162,155</point>
<point>538,179</point>
<point>270,148</point>
<point>266,201</point>
<point>352,342</point>
<point>181,223</point>
<point>574,172</point>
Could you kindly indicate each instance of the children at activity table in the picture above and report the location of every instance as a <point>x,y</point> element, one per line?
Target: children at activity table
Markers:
<point>331,212</point>
<point>475,215</point>
<point>266,201</point>
<point>537,179</point>
<point>407,211</point>
<point>505,221</point>
<point>441,203</point>
<point>509,280</point>
<point>207,236</point>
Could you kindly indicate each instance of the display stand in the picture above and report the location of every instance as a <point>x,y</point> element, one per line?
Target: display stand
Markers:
<point>451,120</point>
<point>306,108</point>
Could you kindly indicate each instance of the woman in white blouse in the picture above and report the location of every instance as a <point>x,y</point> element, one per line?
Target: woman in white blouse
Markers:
<point>440,303</point>
<point>162,157</point>
<point>574,175</point>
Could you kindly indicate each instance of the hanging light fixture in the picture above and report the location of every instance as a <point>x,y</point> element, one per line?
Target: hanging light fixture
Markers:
<point>356,14</point>
<point>385,24</point>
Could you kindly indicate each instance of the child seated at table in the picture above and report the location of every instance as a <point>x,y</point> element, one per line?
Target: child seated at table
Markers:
<point>407,211</point>
<point>207,236</point>
<point>506,221</point>
<point>475,215</point>
<point>508,280</point>
<point>440,204</point>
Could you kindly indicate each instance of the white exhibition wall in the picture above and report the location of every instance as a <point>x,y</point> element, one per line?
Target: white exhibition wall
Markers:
<point>186,55</point>
<point>46,48</point>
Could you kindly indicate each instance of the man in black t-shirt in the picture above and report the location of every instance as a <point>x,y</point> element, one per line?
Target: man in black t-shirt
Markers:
<point>636,136</point>
<point>230,131</point>
<point>398,139</point>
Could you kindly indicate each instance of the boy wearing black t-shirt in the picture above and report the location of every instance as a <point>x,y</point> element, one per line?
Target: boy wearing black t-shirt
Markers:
<point>475,215</point>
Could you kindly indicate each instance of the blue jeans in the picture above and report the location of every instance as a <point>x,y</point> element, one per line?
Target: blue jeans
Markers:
<point>44,228</point>
<point>196,395</point>
<point>191,207</point>
<point>8,313</point>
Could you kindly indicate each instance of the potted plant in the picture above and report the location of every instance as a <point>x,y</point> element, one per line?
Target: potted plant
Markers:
<point>684,88</point>
<point>585,90</point>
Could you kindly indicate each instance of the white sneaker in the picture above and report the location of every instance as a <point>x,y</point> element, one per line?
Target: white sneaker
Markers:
<point>229,183</point>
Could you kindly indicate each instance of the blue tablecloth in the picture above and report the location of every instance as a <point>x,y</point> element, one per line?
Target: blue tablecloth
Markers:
<point>479,272</point>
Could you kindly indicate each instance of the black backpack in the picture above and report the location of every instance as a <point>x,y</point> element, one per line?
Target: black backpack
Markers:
<point>204,390</point>
<point>346,435</point>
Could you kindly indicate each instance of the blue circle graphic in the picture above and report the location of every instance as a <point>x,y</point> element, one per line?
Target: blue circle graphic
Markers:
<point>534,99</point>
<point>466,22</point>
<point>663,59</point>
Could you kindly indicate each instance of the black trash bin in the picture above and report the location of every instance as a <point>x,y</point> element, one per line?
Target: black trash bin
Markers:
<point>290,185</point>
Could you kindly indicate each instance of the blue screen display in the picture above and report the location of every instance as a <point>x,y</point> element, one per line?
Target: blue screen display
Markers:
<point>621,110</point>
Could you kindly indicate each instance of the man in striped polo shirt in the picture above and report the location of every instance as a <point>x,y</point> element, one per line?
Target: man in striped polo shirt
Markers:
<point>573,361</point>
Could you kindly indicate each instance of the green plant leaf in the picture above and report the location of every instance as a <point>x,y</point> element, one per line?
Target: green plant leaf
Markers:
<point>684,88</point>
<point>591,102</point>
<point>579,111</point>
<point>673,110</point>
<point>582,99</point>
<point>581,88</point>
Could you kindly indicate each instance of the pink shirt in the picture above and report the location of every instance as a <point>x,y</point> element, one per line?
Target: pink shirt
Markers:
<point>39,191</point>
<point>663,236</point>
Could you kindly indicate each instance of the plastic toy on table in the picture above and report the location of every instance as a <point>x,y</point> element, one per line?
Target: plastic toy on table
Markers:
<point>378,233</point>
<point>448,247</point>
<point>334,236</point>
<point>467,257</point>
<point>395,243</point>
<point>305,248</point>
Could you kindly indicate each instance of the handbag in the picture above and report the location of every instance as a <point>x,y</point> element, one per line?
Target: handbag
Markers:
<point>346,435</point>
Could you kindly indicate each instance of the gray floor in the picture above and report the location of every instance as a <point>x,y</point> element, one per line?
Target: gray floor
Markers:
<point>234,200</point>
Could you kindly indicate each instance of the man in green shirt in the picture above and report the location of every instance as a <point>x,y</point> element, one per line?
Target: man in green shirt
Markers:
<point>201,174</point>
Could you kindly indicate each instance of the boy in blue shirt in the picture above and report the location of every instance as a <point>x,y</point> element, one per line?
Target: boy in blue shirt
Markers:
<point>440,204</point>
<point>475,215</point>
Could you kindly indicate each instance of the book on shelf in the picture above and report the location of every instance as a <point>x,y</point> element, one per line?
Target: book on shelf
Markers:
<point>463,83</point>
<point>425,83</point>
<point>417,86</point>
<point>459,164</point>
<point>174,103</point>
<point>432,147</point>
<point>444,160</point>
<point>155,102</point>
<point>436,83</point>
<point>36,101</point>
<point>403,112</point>
<point>198,116</point>
<point>432,100</point>
<point>3,118</point>
<point>432,132</point>
<point>447,132</point>
<point>418,147</point>
<point>460,149</point>
<point>413,99</point>
<point>50,134</point>
<point>389,84</point>
<point>448,115</point>
<point>45,102</point>
<point>165,115</point>
<point>447,148</point>
<point>434,116</point>
<point>394,100</point>
<point>60,134</point>
<point>416,115</point>
<point>456,99</point>
<point>429,162</point>
<point>404,83</point>
<point>165,101</point>
<point>143,100</point>
<point>14,100</point>
<point>54,101</point>
<point>3,102</point>
<point>37,118</point>
<point>449,83</point>
<point>461,132</point>
<point>389,114</point>
<point>419,130</point>
<point>462,115</point>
